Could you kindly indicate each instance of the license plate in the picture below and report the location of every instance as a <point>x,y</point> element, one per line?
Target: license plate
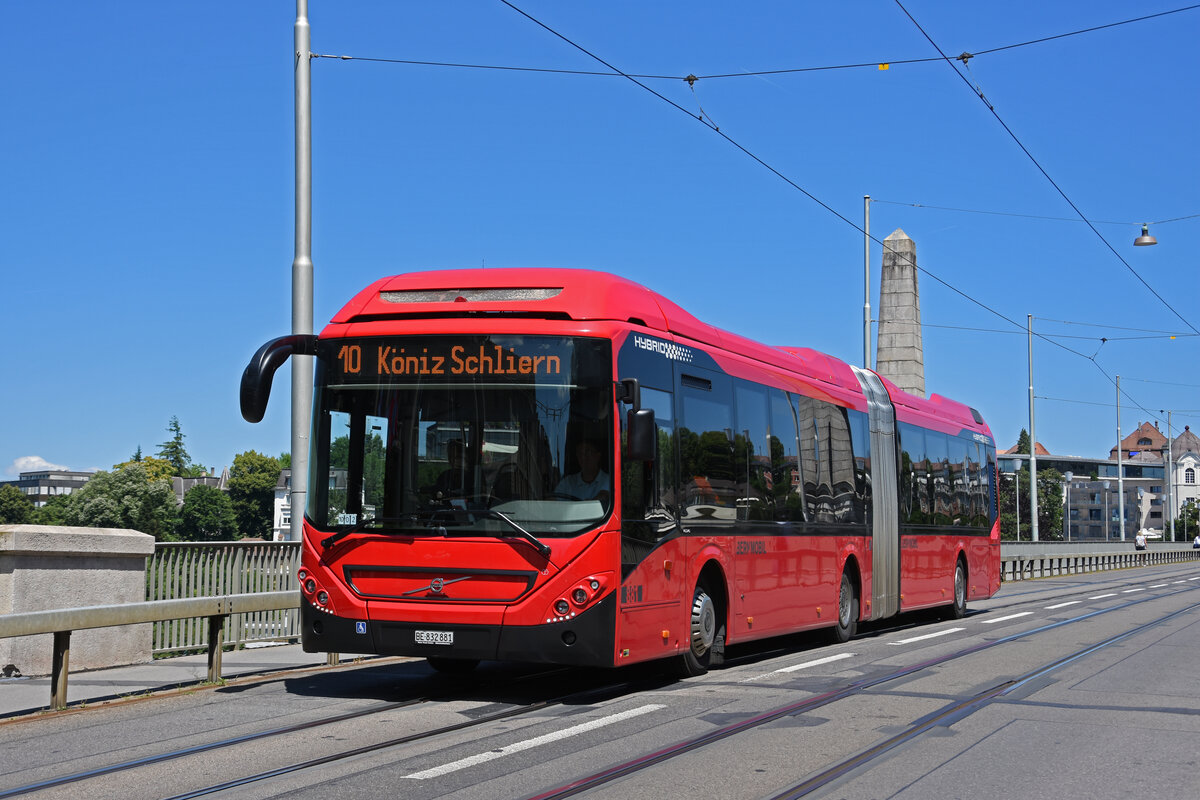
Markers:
<point>434,637</point>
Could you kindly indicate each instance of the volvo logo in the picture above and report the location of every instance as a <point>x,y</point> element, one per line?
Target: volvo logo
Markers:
<point>437,586</point>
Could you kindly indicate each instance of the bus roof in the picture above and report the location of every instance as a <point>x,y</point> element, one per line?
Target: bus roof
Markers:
<point>590,295</point>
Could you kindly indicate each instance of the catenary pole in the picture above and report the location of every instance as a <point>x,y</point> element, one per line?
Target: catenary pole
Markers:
<point>1169,533</point>
<point>302,271</point>
<point>1033,511</point>
<point>866,281</point>
<point>1120,469</point>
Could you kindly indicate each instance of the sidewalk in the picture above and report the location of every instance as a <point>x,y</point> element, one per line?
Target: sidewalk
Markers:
<point>19,696</point>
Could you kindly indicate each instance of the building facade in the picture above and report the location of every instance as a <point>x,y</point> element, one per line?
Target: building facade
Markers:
<point>41,485</point>
<point>1160,477</point>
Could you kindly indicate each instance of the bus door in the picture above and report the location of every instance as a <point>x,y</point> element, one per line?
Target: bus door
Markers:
<point>885,522</point>
<point>651,594</point>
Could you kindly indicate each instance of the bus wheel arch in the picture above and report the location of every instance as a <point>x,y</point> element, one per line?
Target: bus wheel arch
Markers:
<point>849,603</point>
<point>707,623</point>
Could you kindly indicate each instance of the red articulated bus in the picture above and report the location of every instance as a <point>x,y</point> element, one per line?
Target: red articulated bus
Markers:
<point>552,465</point>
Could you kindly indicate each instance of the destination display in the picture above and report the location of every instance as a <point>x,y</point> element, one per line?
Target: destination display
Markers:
<point>466,358</point>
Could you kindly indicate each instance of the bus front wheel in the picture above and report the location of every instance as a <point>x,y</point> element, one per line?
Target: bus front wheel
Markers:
<point>706,642</point>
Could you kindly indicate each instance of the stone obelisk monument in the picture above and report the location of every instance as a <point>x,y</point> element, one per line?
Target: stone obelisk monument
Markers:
<point>899,356</point>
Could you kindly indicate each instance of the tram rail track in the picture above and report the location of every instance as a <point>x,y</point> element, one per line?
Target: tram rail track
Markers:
<point>621,688</point>
<point>836,771</point>
<point>259,736</point>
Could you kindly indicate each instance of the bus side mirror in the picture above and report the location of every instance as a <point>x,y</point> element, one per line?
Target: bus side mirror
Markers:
<point>641,438</point>
<point>256,379</point>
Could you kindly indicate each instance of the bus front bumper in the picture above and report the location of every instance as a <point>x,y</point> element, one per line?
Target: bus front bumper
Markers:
<point>586,640</point>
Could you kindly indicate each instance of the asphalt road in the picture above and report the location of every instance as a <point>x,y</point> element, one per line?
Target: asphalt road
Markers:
<point>1080,687</point>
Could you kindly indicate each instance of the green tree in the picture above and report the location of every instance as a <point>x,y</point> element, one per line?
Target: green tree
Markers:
<point>1187,525</point>
<point>207,515</point>
<point>156,468</point>
<point>252,480</point>
<point>55,511</point>
<point>126,498</point>
<point>15,507</point>
<point>285,460</point>
<point>1050,506</point>
<point>174,451</point>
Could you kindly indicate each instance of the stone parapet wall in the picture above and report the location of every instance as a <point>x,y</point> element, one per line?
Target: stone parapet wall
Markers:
<point>44,567</point>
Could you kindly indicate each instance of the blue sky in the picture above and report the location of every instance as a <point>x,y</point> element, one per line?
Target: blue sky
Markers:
<point>146,222</point>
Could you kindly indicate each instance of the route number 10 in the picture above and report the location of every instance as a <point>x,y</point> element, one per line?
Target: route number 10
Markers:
<point>351,357</point>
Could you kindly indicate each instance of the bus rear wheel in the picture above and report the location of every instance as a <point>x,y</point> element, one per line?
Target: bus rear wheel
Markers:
<point>847,618</point>
<point>958,609</point>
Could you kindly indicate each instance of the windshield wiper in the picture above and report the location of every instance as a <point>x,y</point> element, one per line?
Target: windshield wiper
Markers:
<point>542,548</point>
<point>430,527</point>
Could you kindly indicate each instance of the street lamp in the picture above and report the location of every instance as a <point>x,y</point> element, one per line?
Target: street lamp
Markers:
<point>1145,239</point>
<point>1068,476</point>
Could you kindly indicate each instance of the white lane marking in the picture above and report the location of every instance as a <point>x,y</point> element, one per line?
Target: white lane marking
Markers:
<point>1102,596</point>
<point>928,636</point>
<point>1127,591</point>
<point>1004,619</point>
<point>794,667</point>
<point>1063,605</point>
<point>1197,578</point>
<point>537,741</point>
<point>1158,586</point>
<point>816,663</point>
<point>1175,582</point>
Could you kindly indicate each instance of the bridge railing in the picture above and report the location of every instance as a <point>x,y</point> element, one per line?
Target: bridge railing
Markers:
<point>1026,560</point>
<point>213,610</point>
<point>182,570</point>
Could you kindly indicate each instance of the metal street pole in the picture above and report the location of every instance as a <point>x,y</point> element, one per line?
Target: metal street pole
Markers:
<point>1107,520</point>
<point>302,270</point>
<point>1068,476</point>
<point>866,281</point>
<point>1120,468</point>
<point>1033,511</point>
<point>1170,485</point>
<point>1017,500</point>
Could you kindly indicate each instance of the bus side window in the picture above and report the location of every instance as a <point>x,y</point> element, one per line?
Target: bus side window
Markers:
<point>706,449</point>
<point>751,450</point>
<point>786,481</point>
<point>860,432</point>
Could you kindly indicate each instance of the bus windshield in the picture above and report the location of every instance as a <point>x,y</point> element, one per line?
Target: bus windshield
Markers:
<point>462,435</point>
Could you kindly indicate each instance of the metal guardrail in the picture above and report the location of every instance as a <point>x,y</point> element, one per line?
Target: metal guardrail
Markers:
<point>1025,561</point>
<point>61,622</point>
<point>208,569</point>
<point>184,568</point>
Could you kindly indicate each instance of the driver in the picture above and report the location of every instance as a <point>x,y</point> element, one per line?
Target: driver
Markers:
<point>456,481</point>
<point>590,482</point>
